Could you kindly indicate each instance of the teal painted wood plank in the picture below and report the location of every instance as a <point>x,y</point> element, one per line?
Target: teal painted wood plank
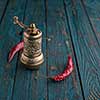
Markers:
<point>87,49</point>
<point>57,52</point>
<point>92,8</point>
<point>29,85</point>
<point>7,40</point>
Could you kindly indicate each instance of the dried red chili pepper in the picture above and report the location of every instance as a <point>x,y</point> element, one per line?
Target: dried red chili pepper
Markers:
<point>68,70</point>
<point>15,49</point>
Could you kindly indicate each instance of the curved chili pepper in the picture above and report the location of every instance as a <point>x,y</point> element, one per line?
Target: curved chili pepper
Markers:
<point>68,70</point>
<point>15,49</point>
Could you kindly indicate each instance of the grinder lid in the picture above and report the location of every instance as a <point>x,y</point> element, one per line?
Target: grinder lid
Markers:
<point>32,30</point>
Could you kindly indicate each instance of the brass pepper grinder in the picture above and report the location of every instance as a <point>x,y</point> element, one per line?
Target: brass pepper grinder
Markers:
<point>32,55</point>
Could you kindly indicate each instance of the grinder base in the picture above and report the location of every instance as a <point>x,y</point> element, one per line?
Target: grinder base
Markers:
<point>32,63</point>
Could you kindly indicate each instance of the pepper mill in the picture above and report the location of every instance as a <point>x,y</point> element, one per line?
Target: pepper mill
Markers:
<point>32,55</point>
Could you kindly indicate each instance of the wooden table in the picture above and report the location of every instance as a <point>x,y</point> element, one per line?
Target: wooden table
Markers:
<point>69,27</point>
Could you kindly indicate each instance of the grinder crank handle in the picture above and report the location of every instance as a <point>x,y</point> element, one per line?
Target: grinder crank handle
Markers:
<point>16,21</point>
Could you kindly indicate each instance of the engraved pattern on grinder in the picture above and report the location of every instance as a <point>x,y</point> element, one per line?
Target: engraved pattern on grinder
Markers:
<point>32,48</point>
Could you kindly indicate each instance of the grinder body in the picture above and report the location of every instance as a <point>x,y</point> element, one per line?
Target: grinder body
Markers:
<point>32,54</point>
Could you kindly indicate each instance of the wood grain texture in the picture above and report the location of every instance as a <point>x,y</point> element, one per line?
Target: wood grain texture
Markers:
<point>8,39</point>
<point>93,10</point>
<point>87,48</point>
<point>69,27</point>
<point>57,52</point>
<point>30,85</point>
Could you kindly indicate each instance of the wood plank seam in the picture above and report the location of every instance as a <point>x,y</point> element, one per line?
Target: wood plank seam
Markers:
<point>4,11</point>
<point>18,53</point>
<point>77,65</point>
<point>46,48</point>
